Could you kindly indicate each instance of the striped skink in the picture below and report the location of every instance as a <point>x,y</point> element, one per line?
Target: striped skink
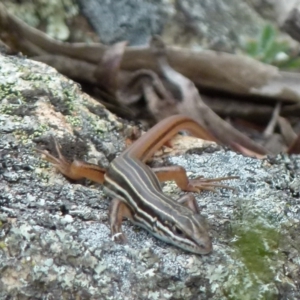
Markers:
<point>137,192</point>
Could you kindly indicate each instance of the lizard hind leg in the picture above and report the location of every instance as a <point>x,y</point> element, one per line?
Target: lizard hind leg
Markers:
<point>74,169</point>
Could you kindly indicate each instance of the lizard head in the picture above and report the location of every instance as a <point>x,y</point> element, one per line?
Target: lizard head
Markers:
<point>192,234</point>
<point>187,231</point>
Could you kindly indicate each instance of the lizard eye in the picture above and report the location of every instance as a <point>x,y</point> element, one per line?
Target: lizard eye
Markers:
<point>178,231</point>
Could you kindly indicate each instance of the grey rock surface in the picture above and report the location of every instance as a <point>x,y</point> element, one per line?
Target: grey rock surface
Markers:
<point>54,236</point>
<point>216,25</point>
<point>129,20</point>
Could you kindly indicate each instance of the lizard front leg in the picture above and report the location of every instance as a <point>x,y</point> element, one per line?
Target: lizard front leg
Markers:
<point>117,211</point>
<point>178,174</point>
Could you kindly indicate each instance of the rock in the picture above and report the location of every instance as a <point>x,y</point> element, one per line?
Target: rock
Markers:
<point>54,234</point>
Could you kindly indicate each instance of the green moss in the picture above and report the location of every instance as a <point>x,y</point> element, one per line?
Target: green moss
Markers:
<point>6,109</point>
<point>42,164</point>
<point>7,91</point>
<point>22,136</point>
<point>256,243</point>
<point>257,247</point>
<point>74,121</point>
<point>30,76</point>
<point>98,126</point>
<point>40,131</point>
<point>26,138</point>
<point>44,176</point>
<point>69,96</point>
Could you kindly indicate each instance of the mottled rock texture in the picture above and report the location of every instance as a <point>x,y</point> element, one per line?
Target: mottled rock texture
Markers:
<point>54,235</point>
